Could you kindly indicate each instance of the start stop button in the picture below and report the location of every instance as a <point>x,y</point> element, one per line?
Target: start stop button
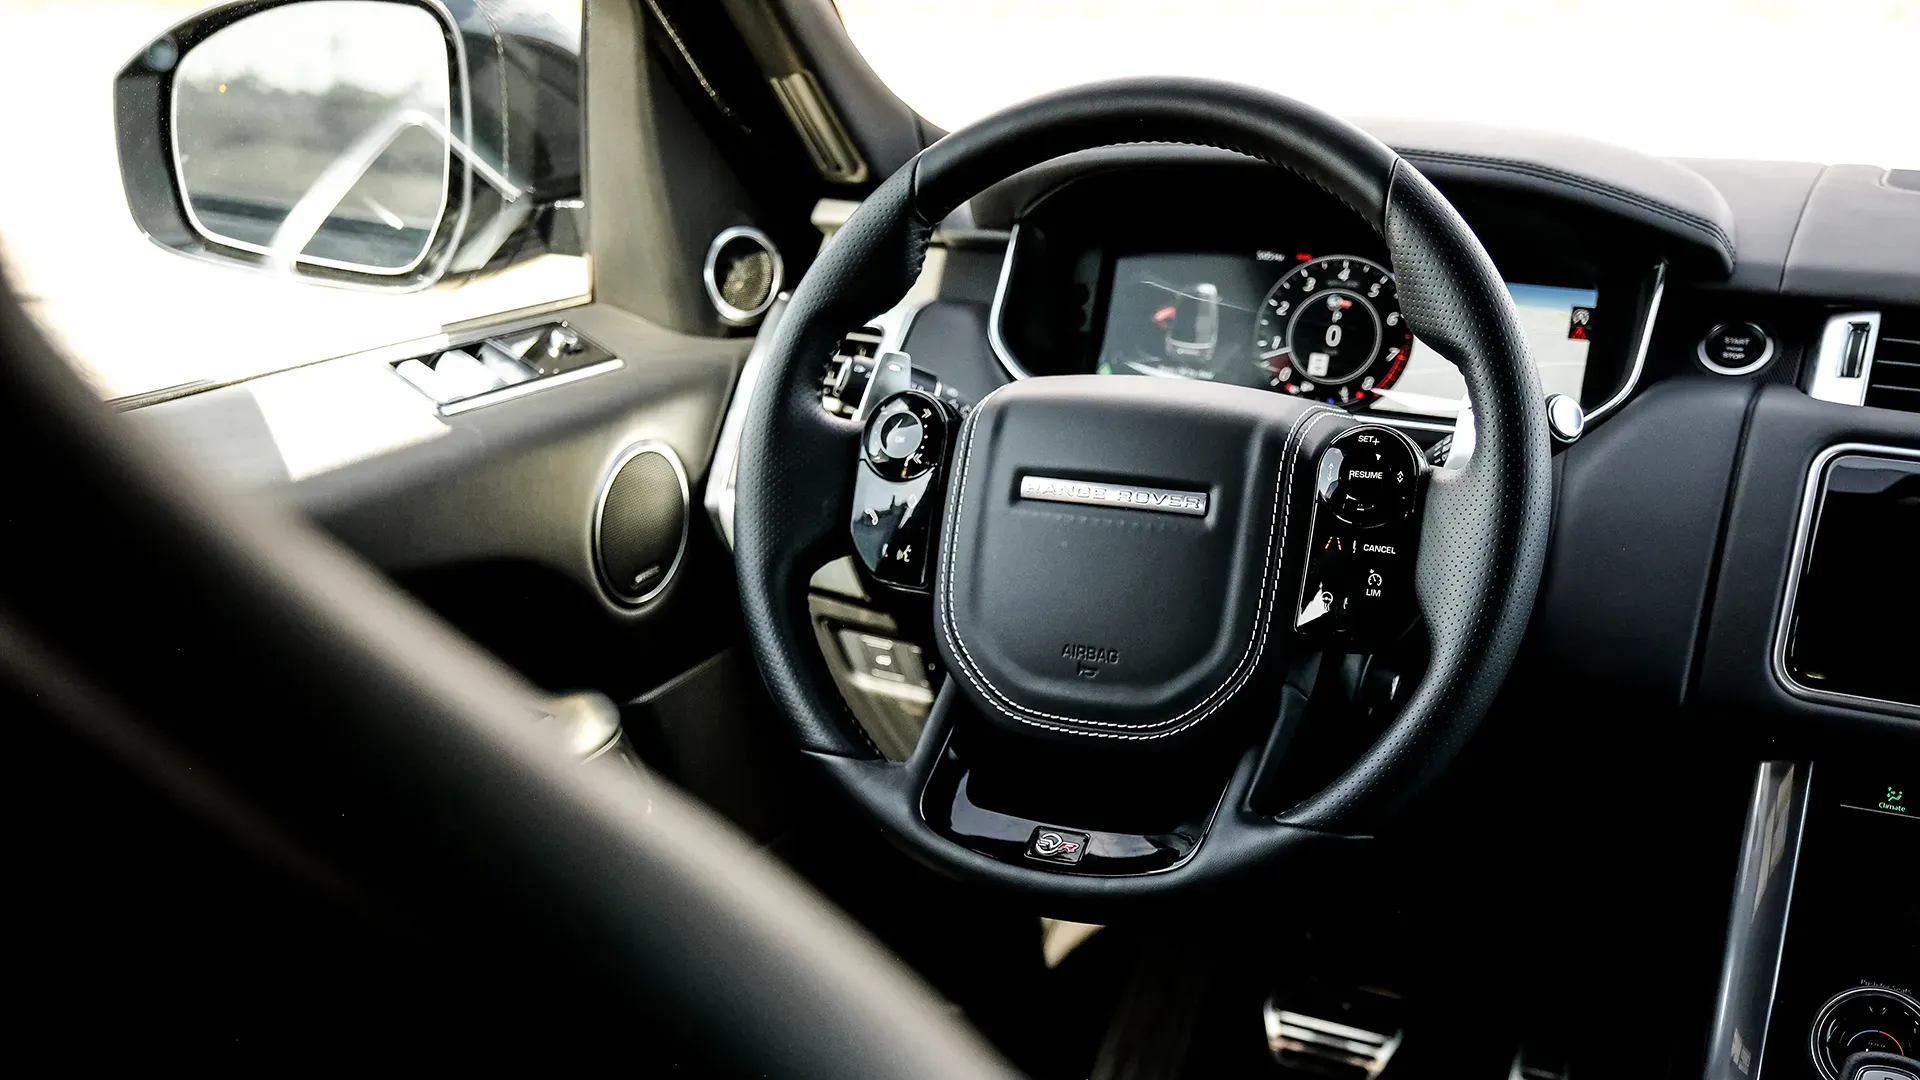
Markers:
<point>1735,348</point>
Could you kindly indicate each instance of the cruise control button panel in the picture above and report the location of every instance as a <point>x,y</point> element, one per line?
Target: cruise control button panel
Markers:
<point>896,487</point>
<point>1357,593</point>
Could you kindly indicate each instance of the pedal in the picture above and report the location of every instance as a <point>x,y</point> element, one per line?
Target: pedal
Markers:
<point>1349,1034</point>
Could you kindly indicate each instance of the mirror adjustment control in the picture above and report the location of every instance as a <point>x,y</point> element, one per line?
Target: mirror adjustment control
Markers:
<point>897,484</point>
<point>1357,592</point>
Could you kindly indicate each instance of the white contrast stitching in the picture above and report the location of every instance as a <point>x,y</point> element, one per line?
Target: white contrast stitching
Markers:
<point>1256,641</point>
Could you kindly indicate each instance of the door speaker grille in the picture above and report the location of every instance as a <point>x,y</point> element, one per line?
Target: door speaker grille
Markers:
<point>640,523</point>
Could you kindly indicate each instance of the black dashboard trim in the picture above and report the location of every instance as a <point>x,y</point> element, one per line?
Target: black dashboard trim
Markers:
<point>1629,582</point>
<point>1714,230</point>
<point>1692,219</point>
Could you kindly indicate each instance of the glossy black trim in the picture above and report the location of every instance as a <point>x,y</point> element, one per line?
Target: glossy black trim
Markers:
<point>1854,548</point>
<point>1757,923</point>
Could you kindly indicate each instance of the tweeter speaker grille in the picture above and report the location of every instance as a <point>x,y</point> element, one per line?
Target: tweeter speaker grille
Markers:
<point>742,273</point>
<point>640,522</point>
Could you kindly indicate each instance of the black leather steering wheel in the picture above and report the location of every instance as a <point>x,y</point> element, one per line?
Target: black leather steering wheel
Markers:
<point>1107,629</point>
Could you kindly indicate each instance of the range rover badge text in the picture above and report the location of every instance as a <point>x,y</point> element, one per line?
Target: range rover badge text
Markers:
<point>1124,496</point>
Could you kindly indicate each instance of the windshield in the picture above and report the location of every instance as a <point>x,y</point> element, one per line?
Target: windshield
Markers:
<point>1832,81</point>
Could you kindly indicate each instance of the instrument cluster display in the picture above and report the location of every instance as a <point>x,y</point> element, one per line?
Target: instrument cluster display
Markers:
<point>1326,327</point>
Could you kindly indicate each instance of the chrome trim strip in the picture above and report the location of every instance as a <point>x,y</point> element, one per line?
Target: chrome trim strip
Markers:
<point>995,337</point>
<point>1756,933</point>
<point>1828,384</point>
<point>1289,1033</point>
<point>1060,489</point>
<point>647,446</point>
<point>531,386</point>
<point>1700,350</point>
<point>1652,316</point>
<point>129,402</point>
<point>721,471</point>
<point>1802,537</point>
<point>735,316</point>
<point>1465,436</point>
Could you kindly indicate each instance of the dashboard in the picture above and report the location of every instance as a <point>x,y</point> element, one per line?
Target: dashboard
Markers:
<point>1731,562</point>
<point>1269,283</point>
<point>1327,327</point>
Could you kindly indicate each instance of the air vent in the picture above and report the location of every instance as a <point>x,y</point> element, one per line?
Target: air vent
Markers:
<point>849,371</point>
<point>743,273</point>
<point>1893,382</point>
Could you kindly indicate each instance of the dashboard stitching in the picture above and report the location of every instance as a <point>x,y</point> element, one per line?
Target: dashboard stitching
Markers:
<point>1256,642</point>
<point>1599,187</point>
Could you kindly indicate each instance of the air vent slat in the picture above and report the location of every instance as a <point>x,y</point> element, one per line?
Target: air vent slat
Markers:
<point>1895,379</point>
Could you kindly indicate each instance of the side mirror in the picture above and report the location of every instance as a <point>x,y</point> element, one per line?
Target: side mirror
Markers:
<point>342,141</point>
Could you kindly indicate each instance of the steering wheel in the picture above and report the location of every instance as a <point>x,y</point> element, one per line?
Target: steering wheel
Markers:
<point>1121,573</point>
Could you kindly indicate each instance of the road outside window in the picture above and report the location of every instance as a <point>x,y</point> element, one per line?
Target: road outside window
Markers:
<point>134,317</point>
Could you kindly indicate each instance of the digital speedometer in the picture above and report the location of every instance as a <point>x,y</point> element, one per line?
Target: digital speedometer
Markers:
<point>1332,330</point>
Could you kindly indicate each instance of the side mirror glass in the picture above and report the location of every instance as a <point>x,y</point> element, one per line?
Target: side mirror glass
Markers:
<point>377,144</point>
<point>318,133</point>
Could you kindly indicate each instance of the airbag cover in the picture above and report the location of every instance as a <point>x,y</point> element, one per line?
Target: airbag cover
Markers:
<point>1107,606</point>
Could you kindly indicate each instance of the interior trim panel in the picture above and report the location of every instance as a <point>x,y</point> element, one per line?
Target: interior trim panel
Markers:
<point>1810,513</point>
<point>1789,436</point>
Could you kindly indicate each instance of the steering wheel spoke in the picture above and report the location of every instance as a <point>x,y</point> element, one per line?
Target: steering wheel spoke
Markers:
<point>1120,571</point>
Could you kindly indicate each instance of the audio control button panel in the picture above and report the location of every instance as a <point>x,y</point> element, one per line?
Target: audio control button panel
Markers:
<point>897,484</point>
<point>1357,593</point>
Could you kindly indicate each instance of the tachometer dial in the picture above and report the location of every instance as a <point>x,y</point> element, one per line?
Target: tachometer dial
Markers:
<point>1332,330</point>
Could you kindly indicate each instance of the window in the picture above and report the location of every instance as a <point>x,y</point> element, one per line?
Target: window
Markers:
<point>377,263</point>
